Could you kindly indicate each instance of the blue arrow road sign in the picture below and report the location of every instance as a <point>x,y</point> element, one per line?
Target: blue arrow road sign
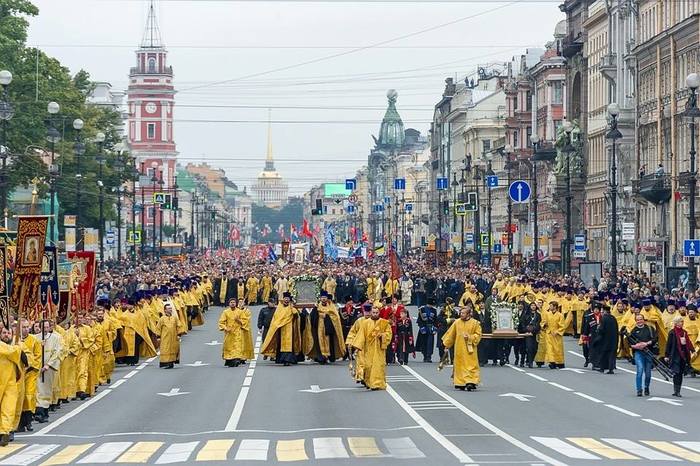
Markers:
<point>409,207</point>
<point>497,248</point>
<point>492,181</point>
<point>400,183</point>
<point>519,191</point>
<point>351,184</point>
<point>442,184</point>
<point>691,247</point>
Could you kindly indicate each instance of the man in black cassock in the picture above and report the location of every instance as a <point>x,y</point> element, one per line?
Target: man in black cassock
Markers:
<point>605,342</point>
<point>265,317</point>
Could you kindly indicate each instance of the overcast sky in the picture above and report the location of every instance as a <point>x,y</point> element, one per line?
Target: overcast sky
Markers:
<point>231,54</point>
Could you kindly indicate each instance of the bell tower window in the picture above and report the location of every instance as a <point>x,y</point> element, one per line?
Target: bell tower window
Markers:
<point>151,65</point>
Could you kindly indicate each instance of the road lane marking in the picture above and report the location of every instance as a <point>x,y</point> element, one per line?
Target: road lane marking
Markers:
<point>30,454</point>
<point>505,436</point>
<point>402,448</point>
<point>142,366</point>
<point>117,383</point>
<point>11,448</point>
<point>639,450</point>
<point>537,377</point>
<point>601,449</point>
<point>675,450</point>
<point>291,450</point>
<point>692,445</point>
<point>67,455</point>
<point>73,413</point>
<point>564,448</point>
<point>215,450</point>
<point>364,447</point>
<point>130,374</point>
<point>588,397</point>
<point>428,428</point>
<point>250,372</point>
<point>562,387</point>
<point>246,381</point>
<point>253,450</point>
<point>664,426</point>
<point>635,373</point>
<point>140,452</point>
<point>232,423</point>
<point>177,453</point>
<point>329,447</point>
<point>106,453</point>
<point>622,410</point>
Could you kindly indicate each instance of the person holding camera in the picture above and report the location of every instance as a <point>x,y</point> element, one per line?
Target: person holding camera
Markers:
<point>642,337</point>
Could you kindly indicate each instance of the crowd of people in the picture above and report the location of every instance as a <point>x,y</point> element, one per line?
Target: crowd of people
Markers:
<point>361,316</point>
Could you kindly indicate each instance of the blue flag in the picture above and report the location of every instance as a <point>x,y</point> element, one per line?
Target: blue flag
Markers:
<point>331,248</point>
<point>271,254</point>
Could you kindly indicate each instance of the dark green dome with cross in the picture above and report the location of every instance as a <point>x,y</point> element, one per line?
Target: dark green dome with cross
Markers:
<point>391,132</point>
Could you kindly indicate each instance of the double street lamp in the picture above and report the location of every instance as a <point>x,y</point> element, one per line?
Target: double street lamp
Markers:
<point>568,150</point>
<point>613,135</point>
<point>6,114</point>
<point>79,149</point>
<point>52,137</point>
<point>691,113</point>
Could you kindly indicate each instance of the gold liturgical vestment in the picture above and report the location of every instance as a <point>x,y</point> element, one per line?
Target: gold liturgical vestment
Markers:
<point>464,335</point>
<point>372,339</point>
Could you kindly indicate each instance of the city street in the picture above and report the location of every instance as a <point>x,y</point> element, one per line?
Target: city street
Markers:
<point>204,412</point>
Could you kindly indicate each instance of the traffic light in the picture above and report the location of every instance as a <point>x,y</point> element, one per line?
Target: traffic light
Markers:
<point>446,207</point>
<point>168,201</point>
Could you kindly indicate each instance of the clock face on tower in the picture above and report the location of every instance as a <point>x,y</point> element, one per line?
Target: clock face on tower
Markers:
<point>150,107</point>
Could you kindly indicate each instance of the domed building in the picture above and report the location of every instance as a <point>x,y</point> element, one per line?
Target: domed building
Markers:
<point>270,189</point>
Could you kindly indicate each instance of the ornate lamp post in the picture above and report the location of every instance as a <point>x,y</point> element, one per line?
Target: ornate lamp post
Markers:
<point>535,203</point>
<point>509,229</point>
<point>52,136</point>
<point>613,135</point>
<point>100,139</point>
<point>568,150</point>
<point>6,114</point>
<point>691,113</point>
<point>79,149</point>
<point>154,180</point>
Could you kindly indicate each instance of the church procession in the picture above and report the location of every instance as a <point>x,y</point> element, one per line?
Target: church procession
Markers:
<point>506,275</point>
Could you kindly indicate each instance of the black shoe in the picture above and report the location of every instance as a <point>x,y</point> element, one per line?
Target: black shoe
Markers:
<point>29,428</point>
<point>585,364</point>
<point>540,364</point>
<point>4,440</point>
<point>460,387</point>
<point>639,393</point>
<point>529,365</point>
<point>646,391</point>
<point>610,372</point>
<point>677,395</point>
<point>470,387</point>
<point>503,362</point>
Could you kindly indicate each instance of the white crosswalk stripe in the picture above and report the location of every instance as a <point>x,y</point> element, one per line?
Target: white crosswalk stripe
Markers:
<point>106,453</point>
<point>29,455</point>
<point>639,450</point>
<point>695,446</point>
<point>565,448</point>
<point>253,450</point>
<point>402,448</point>
<point>177,453</point>
<point>329,447</point>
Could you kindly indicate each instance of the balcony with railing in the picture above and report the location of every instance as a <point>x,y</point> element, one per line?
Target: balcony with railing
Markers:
<point>653,188</point>
<point>572,44</point>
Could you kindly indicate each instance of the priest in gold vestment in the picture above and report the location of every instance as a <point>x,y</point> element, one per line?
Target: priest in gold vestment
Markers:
<point>464,335</point>
<point>372,339</point>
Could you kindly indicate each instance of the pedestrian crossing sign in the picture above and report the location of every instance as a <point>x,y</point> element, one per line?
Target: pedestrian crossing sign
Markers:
<point>485,239</point>
<point>159,198</point>
<point>134,237</point>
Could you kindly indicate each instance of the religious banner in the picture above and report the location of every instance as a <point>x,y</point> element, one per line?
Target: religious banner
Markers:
<point>91,240</point>
<point>31,237</point>
<point>82,279</point>
<point>70,239</point>
<point>49,282</point>
<point>64,287</point>
<point>4,309</point>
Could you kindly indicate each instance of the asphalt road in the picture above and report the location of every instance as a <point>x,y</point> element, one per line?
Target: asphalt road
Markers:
<point>203,412</point>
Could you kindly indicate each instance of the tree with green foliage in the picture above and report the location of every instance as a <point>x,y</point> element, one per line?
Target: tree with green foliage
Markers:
<point>37,80</point>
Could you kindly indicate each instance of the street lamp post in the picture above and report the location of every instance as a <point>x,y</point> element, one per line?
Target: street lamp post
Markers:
<point>160,217</point>
<point>455,183</point>
<point>79,148</point>
<point>613,134</point>
<point>509,228</point>
<point>175,206</point>
<point>154,180</point>
<point>489,206</point>
<point>692,112</point>
<point>120,190</point>
<point>52,136</point>
<point>193,196</point>
<point>6,114</point>
<point>463,183</point>
<point>100,139</point>
<point>535,203</point>
<point>477,216</point>
<point>143,207</point>
<point>568,127</point>
<point>134,176</point>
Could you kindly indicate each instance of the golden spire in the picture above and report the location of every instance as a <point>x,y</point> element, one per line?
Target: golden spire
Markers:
<point>269,163</point>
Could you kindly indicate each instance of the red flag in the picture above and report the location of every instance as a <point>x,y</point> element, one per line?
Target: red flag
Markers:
<point>305,231</point>
<point>395,264</point>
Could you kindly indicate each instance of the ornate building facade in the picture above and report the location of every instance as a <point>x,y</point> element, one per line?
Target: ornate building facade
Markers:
<point>270,189</point>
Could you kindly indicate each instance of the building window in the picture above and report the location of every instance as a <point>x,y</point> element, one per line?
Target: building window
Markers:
<point>529,133</point>
<point>151,213</point>
<point>515,138</point>
<point>557,92</point>
<point>486,145</point>
<point>151,65</point>
<point>151,131</point>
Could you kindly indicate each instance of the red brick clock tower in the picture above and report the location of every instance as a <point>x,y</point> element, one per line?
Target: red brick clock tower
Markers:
<point>150,100</point>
